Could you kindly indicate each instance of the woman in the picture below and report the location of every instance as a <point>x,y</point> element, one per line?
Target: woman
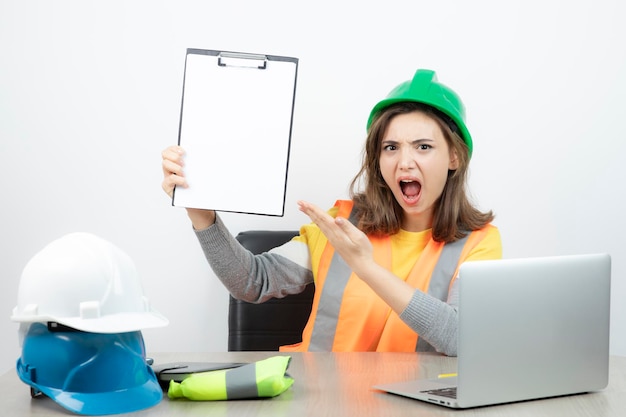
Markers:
<point>385,262</point>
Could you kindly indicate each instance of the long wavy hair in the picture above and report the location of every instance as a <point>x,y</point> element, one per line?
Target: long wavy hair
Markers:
<point>375,207</point>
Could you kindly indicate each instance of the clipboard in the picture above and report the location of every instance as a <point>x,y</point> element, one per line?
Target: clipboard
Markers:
<point>235,126</point>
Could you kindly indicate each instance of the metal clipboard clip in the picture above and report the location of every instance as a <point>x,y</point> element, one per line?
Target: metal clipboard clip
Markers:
<point>234,59</point>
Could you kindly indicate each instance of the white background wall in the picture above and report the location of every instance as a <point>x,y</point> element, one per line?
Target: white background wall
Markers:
<point>90,95</point>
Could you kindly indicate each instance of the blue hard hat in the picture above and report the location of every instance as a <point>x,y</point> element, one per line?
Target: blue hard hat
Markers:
<point>89,373</point>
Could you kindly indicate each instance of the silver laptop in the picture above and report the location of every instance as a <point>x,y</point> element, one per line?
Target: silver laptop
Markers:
<point>529,328</point>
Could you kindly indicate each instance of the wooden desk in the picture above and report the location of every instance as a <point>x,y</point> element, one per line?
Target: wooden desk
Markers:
<point>339,384</point>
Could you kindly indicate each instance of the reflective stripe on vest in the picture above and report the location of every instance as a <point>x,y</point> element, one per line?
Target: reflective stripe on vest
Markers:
<point>327,315</point>
<point>440,279</point>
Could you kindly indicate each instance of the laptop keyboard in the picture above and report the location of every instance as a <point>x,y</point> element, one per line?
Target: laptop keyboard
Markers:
<point>443,392</point>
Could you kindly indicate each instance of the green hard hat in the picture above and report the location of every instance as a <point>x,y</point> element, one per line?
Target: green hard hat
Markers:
<point>424,88</point>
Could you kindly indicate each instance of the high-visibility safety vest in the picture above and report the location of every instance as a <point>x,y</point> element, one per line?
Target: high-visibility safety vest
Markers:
<point>347,315</point>
<point>262,379</point>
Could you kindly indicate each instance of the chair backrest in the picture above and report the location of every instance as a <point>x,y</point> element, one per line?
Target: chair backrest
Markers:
<point>276,322</point>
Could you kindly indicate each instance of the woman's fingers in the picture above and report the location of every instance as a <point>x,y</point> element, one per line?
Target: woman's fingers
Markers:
<point>351,231</point>
<point>322,219</point>
<point>172,165</point>
<point>343,235</point>
<point>173,154</point>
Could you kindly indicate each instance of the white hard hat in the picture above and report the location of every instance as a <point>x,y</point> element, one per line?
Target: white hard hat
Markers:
<point>87,283</point>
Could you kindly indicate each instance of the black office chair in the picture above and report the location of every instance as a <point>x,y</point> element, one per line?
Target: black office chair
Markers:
<point>276,322</point>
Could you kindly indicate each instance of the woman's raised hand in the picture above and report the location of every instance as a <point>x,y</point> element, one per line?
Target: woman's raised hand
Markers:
<point>173,176</point>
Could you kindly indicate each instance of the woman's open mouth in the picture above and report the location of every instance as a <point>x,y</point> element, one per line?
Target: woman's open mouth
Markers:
<point>410,190</point>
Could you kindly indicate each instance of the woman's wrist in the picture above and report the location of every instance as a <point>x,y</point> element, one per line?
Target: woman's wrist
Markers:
<point>201,219</point>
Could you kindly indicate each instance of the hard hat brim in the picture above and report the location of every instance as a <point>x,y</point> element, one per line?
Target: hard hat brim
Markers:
<point>128,400</point>
<point>113,323</point>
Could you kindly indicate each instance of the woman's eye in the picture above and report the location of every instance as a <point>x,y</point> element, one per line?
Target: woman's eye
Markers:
<point>390,147</point>
<point>424,146</point>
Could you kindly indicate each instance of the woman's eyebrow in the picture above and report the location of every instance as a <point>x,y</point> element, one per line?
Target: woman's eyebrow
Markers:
<point>413,142</point>
<point>418,141</point>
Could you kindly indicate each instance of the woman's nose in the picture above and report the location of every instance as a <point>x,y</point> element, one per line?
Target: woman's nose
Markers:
<point>406,159</point>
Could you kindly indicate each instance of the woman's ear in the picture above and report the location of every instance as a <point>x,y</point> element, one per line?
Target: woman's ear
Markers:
<point>454,160</point>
